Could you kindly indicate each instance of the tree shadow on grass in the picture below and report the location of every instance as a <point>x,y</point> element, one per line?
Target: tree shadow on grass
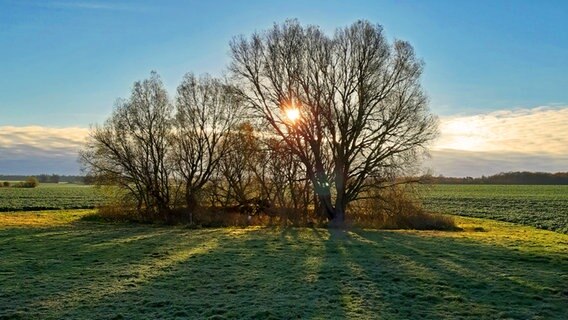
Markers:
<point>253,274</point>
<point>437,277</point>
<point>260,274</point>
<point>164,272</point>
<point>47,270</point>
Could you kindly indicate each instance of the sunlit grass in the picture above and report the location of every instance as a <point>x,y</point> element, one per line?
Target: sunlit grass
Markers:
<point>60,266</point>
<point>42,219</point>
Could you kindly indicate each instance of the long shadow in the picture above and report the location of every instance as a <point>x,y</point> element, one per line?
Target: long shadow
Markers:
<point>446,277</point>
<point>348,290</point>
<point>259,274</point>
<point>163,272</point>
<point>46,269</point>
<point>64,243</point>
<point>340,297</point>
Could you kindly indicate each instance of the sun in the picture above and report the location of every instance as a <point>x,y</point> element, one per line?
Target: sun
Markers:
<point>292,114</point>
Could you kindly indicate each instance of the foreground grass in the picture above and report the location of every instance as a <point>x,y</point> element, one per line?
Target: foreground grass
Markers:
<point>60,267</point>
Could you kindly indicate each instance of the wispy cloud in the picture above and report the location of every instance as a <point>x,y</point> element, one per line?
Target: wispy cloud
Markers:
<point>541,130</point>
<point>36,149</point>
<point>44,140</point>
<point>510,140</point>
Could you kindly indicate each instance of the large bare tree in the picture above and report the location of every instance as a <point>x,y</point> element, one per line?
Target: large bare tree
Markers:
<point>206,110</point>
<point>131,149</point>
<point>350,106</point>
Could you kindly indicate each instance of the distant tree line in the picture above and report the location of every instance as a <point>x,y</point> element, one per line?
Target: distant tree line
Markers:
<point>48,178</point>
<point>517,177</point>
<point>44,178</point>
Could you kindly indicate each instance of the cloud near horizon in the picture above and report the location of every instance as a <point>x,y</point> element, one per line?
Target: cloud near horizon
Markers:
<point>539,130</point>
<point>509,140</point>
<point>474,145</point>
<point>36,149</point>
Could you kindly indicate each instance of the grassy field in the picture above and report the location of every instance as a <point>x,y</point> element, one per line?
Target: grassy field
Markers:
<point>544,207</point>
<point>54,265</point>
<point>49,196</point>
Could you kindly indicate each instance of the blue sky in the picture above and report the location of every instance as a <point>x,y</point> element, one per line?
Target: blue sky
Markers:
<point>63,63</point>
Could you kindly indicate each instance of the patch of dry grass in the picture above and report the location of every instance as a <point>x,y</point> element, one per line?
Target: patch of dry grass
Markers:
<point>41,219</point>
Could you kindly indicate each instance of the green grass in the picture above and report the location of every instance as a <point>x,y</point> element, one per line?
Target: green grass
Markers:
<point>544,207</point>
<point>54,265</point>
<point>49,196</point>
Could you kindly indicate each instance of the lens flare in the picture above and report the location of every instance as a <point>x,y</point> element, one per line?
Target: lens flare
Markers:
<point>293,114</point>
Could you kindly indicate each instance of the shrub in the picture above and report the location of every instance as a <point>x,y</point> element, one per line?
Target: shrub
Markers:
<point>391,208</point>
<point>115,213</point>
<point>397,208</point>
<point>6,184</point>
<point>209,217</point>
<point>31,182</point>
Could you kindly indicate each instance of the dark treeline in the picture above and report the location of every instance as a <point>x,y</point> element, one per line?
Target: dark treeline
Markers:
<point>518,177</point>
<point>46,178</point>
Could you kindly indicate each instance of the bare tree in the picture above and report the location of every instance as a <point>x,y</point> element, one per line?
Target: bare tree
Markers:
<point>131,149</point>
<point>260,170</point>
<point>350,107</point>
<point>206,111</point>
<point>240,183</point>
<point>283,179</point>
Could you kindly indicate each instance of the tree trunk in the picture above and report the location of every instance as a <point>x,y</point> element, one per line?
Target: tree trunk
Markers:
<point>338,220</point>
<point>191,203</point>
<point>325,206</point>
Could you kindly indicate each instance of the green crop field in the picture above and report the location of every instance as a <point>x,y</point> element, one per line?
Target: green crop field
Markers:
<point>54,265</point>
<point>49,196</point>
<point>544,207</point>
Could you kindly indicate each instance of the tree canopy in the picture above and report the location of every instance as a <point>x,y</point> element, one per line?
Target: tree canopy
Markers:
<point>361,115</point>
